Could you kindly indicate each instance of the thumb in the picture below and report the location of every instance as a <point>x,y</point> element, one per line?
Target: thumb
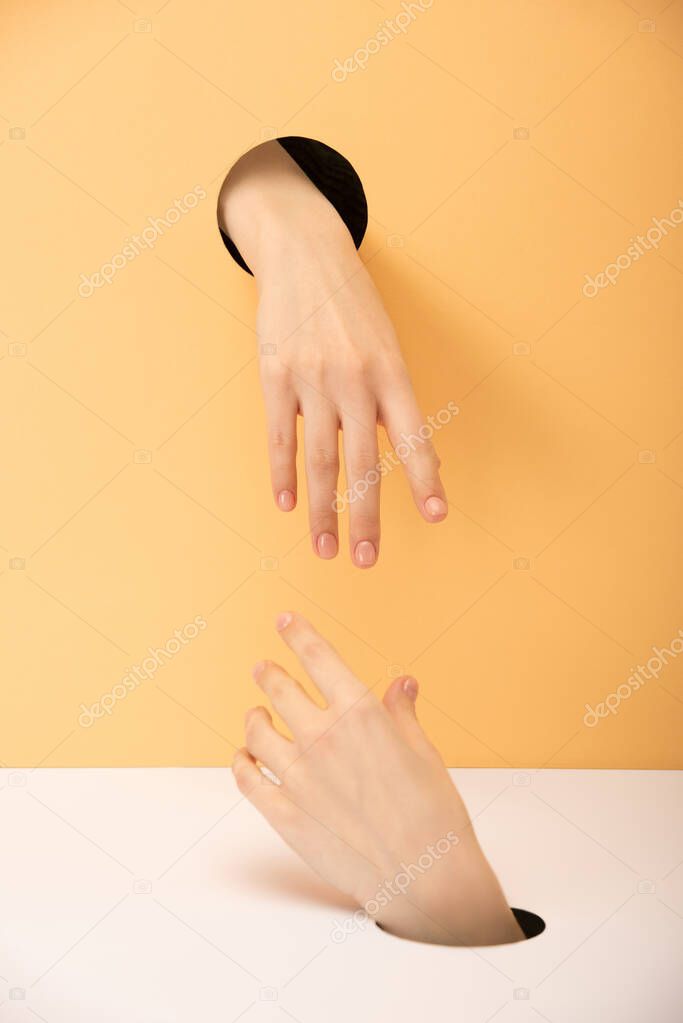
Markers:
<point>399,700</point>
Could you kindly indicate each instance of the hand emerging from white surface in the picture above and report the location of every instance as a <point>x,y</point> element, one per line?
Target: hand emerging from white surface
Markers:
<point>328,352</point>
<point>364,798</point>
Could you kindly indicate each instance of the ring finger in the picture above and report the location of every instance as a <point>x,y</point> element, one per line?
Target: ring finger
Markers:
<point>361,458</point>
<point>265,743</point>
<point>321,440</point>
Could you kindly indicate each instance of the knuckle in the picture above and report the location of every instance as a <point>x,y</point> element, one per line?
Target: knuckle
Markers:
<point>364,529</point>
<point>281,440</point>
<point>434,459</point>
<point>323,460</point>
<point>364,517</point>
<point>276,687</point>
<point>274,371</point>
<point>427,453</point>
<point>312,649</point>
<point>242,780</point>
<point>358,366</point>
<point>322,745</point>
<point>322,518</point>
<point>311,359</point>
<point>363,459</point>
<point>423,463</point>
<point>251,723</point>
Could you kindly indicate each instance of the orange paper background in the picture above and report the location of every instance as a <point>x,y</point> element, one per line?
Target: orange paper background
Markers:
<point>507,149</point>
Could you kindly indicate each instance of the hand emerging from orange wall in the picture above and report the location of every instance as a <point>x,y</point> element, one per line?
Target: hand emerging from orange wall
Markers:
<point>328,352</point>
<point>364,798</point>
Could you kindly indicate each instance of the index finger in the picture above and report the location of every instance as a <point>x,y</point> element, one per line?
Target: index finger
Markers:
<point>334,679</point>
<point>411,439</point>
<point>281,410</point>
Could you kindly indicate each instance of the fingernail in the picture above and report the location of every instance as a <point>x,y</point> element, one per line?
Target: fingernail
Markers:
<point>327,545</point>
<point>436,507</point>
<point>410,687</point>
<point>258,669</point>
<point>286,500</point>
<point>365,553</point>
<point>283,620</point>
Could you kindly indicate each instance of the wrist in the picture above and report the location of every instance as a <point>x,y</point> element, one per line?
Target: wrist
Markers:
<point>302,238</point>
<point>469,924</point>
<point>277,217</point>
<point>459,902</point>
